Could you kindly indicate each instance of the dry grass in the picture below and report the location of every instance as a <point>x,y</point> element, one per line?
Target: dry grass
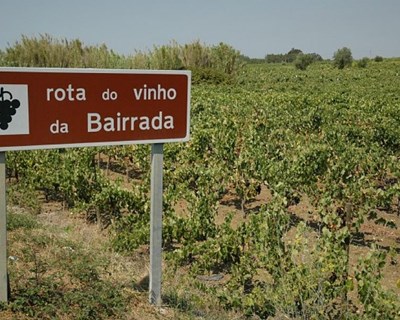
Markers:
<point>62,240</point>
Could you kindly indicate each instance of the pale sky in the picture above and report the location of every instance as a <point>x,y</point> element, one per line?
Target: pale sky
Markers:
<point>254,27</point>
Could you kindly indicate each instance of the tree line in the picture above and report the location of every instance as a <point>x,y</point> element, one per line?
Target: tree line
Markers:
<point>341,59</point>
<point>217,64</point>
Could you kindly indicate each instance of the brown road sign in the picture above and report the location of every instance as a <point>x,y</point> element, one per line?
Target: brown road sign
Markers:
<point>55,108</point>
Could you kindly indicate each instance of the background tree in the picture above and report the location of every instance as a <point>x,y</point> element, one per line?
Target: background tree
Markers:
<point>293,54</point>
<point>274,58</point>
<point>303,61</point>
<point>342,58</point>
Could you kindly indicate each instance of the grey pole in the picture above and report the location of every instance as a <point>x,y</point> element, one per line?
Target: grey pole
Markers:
<point>156,223</point>
<point>3,231</point>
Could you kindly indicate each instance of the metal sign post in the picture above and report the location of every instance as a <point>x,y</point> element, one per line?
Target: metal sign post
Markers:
<point>3,231</point>
<point>156,223</point>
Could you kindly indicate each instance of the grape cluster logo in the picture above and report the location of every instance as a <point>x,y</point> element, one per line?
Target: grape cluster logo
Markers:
<point>8,108</point>
<point>14,111</point>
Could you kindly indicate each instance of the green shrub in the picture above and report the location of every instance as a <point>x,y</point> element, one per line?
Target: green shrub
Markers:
<point>209,75</point>
<point>20,220</point>
<point>1,58</point>
<point>362,63</point>
<point>166,57</point>
<point>222,58</point>
<point>195,55</point>
<point>342,58</point>
<point>378,59</point>
<point>303,61</point>
<point>225,58</point>
<point>46,51</point>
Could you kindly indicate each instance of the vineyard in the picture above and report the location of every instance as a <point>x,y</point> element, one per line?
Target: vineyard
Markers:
<point>284,204</point>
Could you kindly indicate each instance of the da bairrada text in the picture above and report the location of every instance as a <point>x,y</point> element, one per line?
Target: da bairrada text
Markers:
<point>97,123</point>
